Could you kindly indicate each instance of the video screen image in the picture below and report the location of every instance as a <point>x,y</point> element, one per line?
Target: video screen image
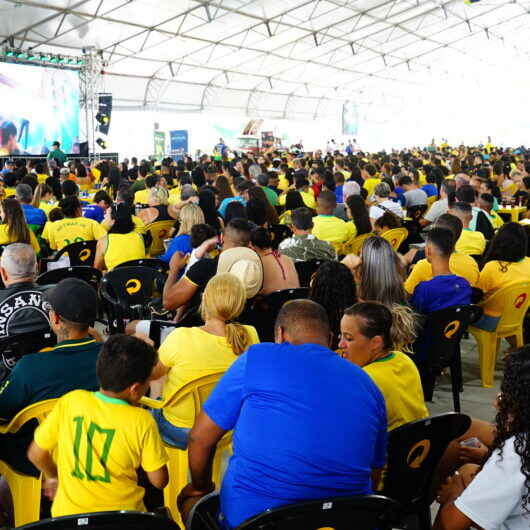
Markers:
<point>38,106</point>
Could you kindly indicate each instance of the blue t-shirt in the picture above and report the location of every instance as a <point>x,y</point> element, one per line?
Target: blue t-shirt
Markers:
<point>307,424</point>
<point>399,194</point>
<point>338,194</point>
<point>95,212</point>
<point>180,243</point>
<point>430,189</point>
<point>441,292</point>
<point>227,201</point>
<point>34,216</point>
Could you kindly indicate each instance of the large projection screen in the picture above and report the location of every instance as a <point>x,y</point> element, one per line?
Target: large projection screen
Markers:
<point>38,106</point>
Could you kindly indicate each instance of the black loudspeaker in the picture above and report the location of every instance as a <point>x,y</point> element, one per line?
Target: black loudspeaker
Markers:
<point>83,149</point>
<point>104,113</point>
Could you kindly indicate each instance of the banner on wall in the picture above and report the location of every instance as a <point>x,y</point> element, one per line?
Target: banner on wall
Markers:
<point>350,118</point>
<point>160,145</point>
<point>178,144</point>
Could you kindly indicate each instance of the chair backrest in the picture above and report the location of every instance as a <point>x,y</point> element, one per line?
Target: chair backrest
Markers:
<point>264,311</point>
<point>38,411</point>
<point>414,451</point>
<point>306,269</point>
<point>363,512</point>
<point>510,304</point>
<point>153,263</point>
<point>159,231</point>
<point>445,329</point>
<point>396,236</point>
<point>13,348</point>
<point>279,233</point>
<point>80,253</point>
<point>88,274</point>
<point>199,390</point>
<point>354,245</point>
<point>106,521</point>
<point>130,286</point>
<point>156,327</point>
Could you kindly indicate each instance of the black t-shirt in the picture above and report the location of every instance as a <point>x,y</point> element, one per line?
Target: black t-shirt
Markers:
<point>200,274</point>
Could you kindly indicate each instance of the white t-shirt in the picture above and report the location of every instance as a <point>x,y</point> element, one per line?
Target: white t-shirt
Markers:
<point>394,207</point>
<point>438,208</point>
<point>493,499</point>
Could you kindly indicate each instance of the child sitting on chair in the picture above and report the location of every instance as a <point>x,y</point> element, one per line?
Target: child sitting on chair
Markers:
<point>99,439</point>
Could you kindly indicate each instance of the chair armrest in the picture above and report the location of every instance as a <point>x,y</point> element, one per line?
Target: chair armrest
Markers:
<point>151,403</point>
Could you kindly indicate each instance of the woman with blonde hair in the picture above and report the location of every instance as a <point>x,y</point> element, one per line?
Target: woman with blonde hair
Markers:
<point>188,354</point>
<point>13,226</point>
<point>158,200</point>
<point>43,198</point>
<point>190,215</point>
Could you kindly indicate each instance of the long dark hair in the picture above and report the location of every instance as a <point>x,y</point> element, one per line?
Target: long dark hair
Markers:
<point>121,213</point>
<point>293,200</point>
<point>207,205</point>
<point>222,185</point>
<point>513,413</point>
<point>17,228</point>
<point>510,244</point>
<point>257,193</point>
<point>359,213</point>
<point>333,287</point>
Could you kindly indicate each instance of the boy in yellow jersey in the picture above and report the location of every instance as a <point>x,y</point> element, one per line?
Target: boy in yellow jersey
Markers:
<point>459,264</point>
<point>141,197</point>
<point>326,226</point>
<point>470,242</point>
<point>73,228</point>
<point>99,439</point>
<point>369,174</point>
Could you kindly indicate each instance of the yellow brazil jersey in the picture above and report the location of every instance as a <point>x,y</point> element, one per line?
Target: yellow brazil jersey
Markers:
<point>332,229</point>
<point>41,178</point>
<point>307,197</point>
<point>174,195</point>
<point>191,353</point>
<point>10,192</point>
<point>370,184</point>
<point>98,443</point>
<point>471,243</point>
<point>5,239</point>
<point>47,207</point>
<point>398,379</point>
<point>140,197</point>
<point>283,183</point>
<point>96,173</point>
<point>498,274</point>
<point>71,230</point>
<point>422,179</point>
<point>122,248</point>
<point>459,264</point>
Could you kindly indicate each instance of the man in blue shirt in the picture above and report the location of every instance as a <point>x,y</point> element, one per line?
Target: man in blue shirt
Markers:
<point>307,424</point>
<point>34,216</point>
<point>96,210</point>
<point>9,167</point>
<point>242,196</point>
<point>444,289</point>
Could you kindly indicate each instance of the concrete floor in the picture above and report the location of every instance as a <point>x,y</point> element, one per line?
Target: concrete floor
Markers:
<point>476,401</point>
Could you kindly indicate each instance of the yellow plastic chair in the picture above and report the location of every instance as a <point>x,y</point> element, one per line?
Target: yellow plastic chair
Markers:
<point>25,490</point>
<point>198,390</point>
<point>159,231</point>
<point>510,304</point>
<point>396,236</point>
<point>354,245</point>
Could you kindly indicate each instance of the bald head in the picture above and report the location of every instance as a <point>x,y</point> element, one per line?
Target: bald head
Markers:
<point>302,322</point>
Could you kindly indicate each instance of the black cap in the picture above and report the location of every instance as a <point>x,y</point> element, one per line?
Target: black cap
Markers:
<point>74,300</point>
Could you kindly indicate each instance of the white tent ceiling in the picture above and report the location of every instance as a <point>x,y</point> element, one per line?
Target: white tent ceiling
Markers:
<point>286,58</point>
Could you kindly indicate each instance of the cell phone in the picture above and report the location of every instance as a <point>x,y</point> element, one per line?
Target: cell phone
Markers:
<point>471,442</point>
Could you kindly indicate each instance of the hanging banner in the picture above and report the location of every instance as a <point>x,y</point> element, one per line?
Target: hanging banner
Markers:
<point>178,141</point>
<point>350,118</point>
<point>160,145</point>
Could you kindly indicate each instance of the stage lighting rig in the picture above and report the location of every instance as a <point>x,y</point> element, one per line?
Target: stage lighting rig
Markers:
<point>102,143</point>
<point>24,56</point>
<point>102,118</point>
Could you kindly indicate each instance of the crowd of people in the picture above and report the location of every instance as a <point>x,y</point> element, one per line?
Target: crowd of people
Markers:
<point>231,232</point>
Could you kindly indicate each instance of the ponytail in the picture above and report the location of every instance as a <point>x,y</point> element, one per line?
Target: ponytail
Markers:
<point>238,337</point>
<point>403,331</point>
